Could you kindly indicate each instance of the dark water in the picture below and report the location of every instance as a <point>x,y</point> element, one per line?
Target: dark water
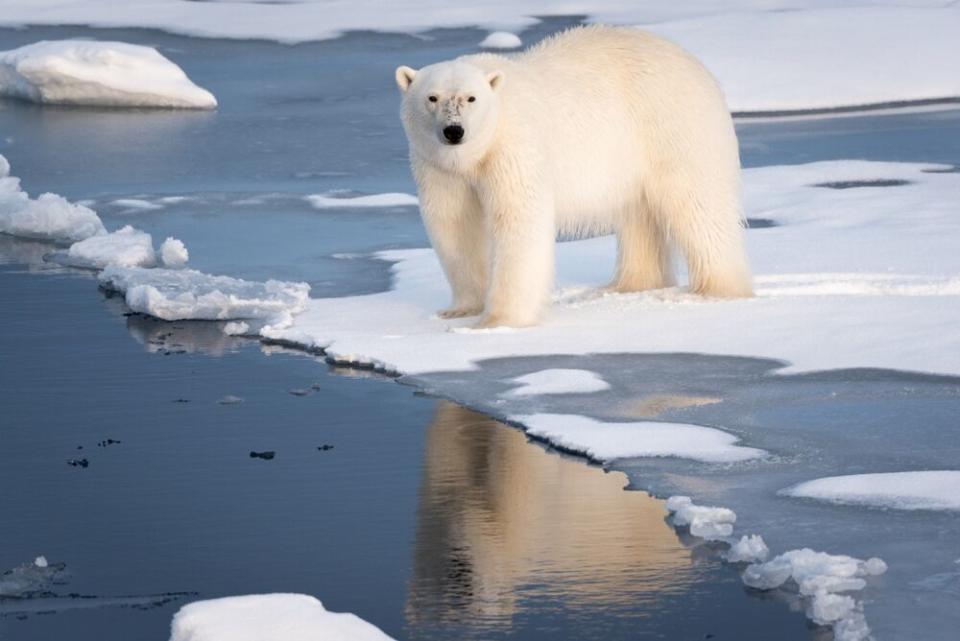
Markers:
<point>425,518</point>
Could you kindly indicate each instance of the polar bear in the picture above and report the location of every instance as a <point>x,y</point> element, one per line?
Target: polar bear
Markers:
<point>594,130</point>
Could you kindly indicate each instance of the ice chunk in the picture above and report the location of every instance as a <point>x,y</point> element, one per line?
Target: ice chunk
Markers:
<point>607,441</point>
<point>185,294</point>
<point>236,328</point>
<point>829,608</point>
<point>127,247</point>
<point>928,490</point>
<point>49,217</point>
<point>30,578</point>
<point>173,253</point>
<point>335,201</point>
<point>710,523</point>
<point>269,617</point>
<point>558,381</point>
<point>82,72</point>
<point>501,40</point>
<point>749,549</point>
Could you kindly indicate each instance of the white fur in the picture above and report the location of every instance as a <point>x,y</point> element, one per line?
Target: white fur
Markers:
<point>597,129</point>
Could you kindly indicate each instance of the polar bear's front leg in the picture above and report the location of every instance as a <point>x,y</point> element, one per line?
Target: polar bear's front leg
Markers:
<point>454,220</point>
<point>521,228</point>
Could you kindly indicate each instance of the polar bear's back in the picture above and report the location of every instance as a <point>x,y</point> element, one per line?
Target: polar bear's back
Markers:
<point>613,108</point>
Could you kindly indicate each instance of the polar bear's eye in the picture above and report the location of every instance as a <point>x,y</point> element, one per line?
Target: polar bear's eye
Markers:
<point>432,98</point>
<point>472,99</point>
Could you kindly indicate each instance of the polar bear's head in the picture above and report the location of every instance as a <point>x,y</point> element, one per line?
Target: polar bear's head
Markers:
<point>450,109</point>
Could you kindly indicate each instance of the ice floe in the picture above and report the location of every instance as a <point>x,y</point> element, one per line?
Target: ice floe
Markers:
<point>710,523</point>
<point>884,273</point>
<point>187,294</point>
<point>816,54</point>
<point>558,381</point>
<point>269,617</point>
<point>342,201</point>
<point>111,74</point>
<point>49,217</point>
<point>604,441</point>
<point>924,490</point>
<point>501,40</point>
<point>30,578</point>
<point>126,247</point>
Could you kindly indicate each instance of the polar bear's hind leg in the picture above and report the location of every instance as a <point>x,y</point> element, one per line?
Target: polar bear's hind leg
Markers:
<point>643,252</point>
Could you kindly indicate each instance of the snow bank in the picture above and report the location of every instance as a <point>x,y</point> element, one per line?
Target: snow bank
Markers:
<point>186,294</point>
<point>608,441</point>
<point>710,523</point>
<point>49,217</point>
<point>501,40</point>
<point>110,74</point>
<point>819,577</point>
<point>780,55</point>
<point>558,381</point>
<point>173,253</point>
<point>928,490</point>
<point>127,247</point>
<point>883,276</point>
<point>334,201</point>
<point>269,617</point>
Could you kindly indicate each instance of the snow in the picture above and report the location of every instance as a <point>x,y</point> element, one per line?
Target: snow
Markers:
<point>926,490</point>
<point>49,217</point>
<point>777,56</point>
<point>501,40</point>
<point>91,73</point>
<point>127,247</point>
<point>879,291</point>
<point>819,577</point>
<point>604,441</point>
<point>136,204</point>
<point>749,549</point>
<point>186,294</point>
<point>236,328</point>
<point>340,201</point>
<point>558,381</point>
<point>710,523</point>
<point>269,617</point>
<point>173,253</point>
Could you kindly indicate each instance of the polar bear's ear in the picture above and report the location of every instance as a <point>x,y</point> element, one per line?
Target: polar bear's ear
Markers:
<point>405,76</point>
<point>495,78</point>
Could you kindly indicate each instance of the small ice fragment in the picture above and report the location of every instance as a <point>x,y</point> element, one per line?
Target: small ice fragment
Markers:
<point>749,549</point>
<point>875,566</point>
<point>674,503</point>
<point>236,328</point>
<point>230,399</point>
<point>501,40</point>
<point>41,562</point>
<point>826,608</point>
<point>769,575</point>
<point>173,253</point>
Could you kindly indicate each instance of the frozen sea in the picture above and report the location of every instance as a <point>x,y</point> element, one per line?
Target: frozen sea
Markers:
<point>411,521</point>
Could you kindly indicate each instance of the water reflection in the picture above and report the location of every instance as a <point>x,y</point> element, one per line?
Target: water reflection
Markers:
<point>503,524</point>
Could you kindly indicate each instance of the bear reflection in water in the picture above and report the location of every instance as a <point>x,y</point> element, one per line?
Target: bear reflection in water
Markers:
<point>502,523</point>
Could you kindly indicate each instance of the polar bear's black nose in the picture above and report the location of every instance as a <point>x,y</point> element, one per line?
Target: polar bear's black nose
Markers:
<point>453,133</point>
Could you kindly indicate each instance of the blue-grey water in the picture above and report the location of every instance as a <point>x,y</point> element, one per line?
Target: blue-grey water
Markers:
<point>425,518</point>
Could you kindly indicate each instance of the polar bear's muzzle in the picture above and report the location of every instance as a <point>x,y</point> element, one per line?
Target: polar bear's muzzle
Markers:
<point>453,134</point>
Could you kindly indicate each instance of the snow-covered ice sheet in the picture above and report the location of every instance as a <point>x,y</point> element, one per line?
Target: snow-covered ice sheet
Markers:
<point>854,277</point>
<point>49,217</point>
<point>340,201</point>
<point>924,490</point>
<point>269,617</point>
<point>558,381</point>
<point>608,441</point>
<point>126,247</point>
<point>106,74</point>
<point>186,294</point>
<point>778,55</point>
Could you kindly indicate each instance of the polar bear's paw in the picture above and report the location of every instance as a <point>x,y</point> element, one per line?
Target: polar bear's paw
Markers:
<point>460,311</point>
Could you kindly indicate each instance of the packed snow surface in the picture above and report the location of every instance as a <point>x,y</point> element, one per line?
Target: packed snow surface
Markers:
<point>558,381</point>
<point>126,247</point>
<point>107,74</point>
<point>173,253</point>
<point>186,294</point>
<point>608,441</point>
<point>776,56</point>
<point>269,617</point>
<point>881,290</point>
<point>49,217</point>
<point>334,201</point>
<point>928,490</point>
<point>501,40</point>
